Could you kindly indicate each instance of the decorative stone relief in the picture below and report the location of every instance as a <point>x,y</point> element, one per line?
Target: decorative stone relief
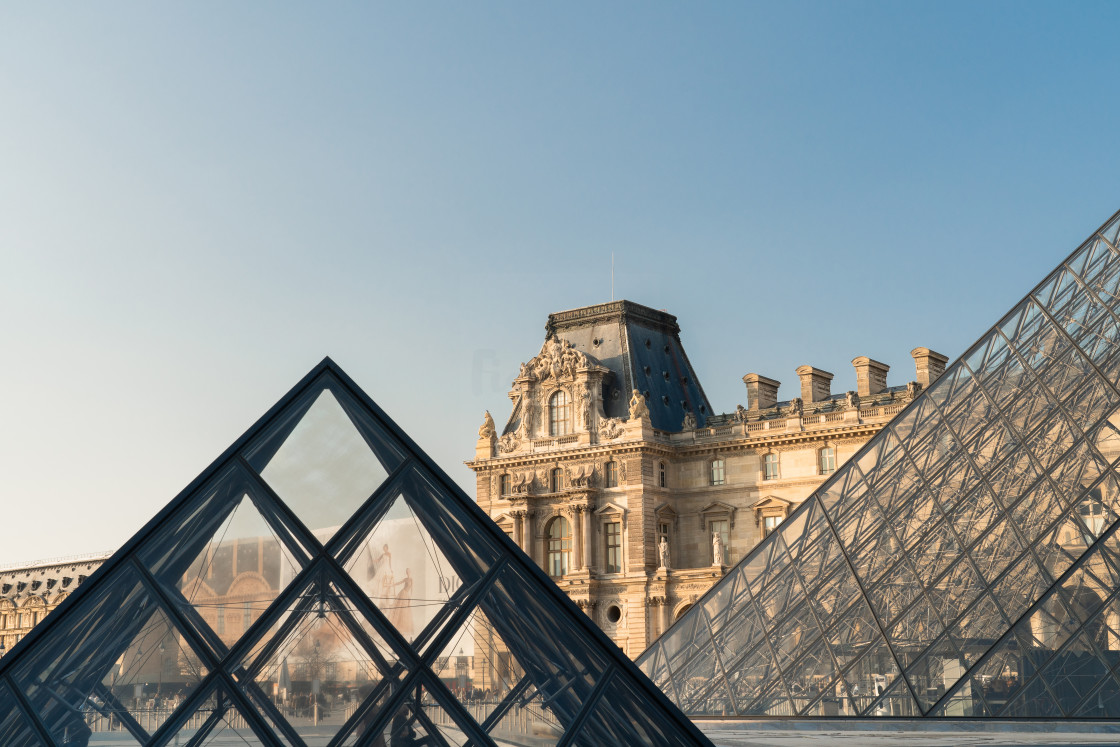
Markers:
<point>610,428</point>
<point>508,443</point>
<point>689,422</point>
<point>795,407</point>
<point>522,483</point>
<point>581,475</point>
<point>557,358</point>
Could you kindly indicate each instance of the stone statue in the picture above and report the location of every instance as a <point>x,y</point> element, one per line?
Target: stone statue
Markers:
<point>853,400</point>
<point>663,553</point>
<point>795,407</point>
<point>913,389</point>
<point>487,428</point>
<point>689,422</point>
<point>585,396</point>
<point>717,550</point>
<point>638,408</point>
<point>741,413</point>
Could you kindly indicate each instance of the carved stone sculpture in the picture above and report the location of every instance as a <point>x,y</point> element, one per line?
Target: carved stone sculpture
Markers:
<point>689,422</point>
<point>913,389</point>
<point>852,400</point>
<point>663,553</point>
<point>795,407</point>
<point>586,399</point>
<point>487,429</point>
<point>717,550</point>
<point>557,358</point>
<point>508,443</point>
<point>638,408</point>
<point>740,413</point>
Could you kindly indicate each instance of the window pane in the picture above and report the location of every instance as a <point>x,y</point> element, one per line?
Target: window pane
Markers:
<point>613,533</point>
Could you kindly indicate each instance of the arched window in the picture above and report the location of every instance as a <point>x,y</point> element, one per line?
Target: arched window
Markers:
<point>558,414</point>
<point>610,473</point>
<point>555,480</point>
<point>717,472</point>
<point>504,485</point>
<point>559,546</point>
<point>661,474</point>
<point>827,459</point>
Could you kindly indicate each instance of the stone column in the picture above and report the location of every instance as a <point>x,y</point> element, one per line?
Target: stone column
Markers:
<point>664,614</point>
<point>577,540</point>
<point>527,534</point>
<point>518,528</point>
<point>588,520</point>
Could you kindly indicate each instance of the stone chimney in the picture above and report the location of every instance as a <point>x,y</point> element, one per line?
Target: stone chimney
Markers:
<point>816,384</point>
<point>871,375</point>
<point>762,393</point>
<point>929,365</point>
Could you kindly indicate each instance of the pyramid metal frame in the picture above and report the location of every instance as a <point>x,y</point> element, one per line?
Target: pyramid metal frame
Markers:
<point>964,563</point>
<point>52,681</point>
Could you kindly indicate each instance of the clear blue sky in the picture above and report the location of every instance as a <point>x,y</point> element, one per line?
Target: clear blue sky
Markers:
<point>198,202</point>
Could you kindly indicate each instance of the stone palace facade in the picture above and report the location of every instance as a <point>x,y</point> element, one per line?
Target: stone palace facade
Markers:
<point>614,473</point>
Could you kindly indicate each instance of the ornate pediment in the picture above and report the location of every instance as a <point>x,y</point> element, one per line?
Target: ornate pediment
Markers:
<point>609,509</point>
<point>771,502</point>
<point>717,510</point>
<point>557,359</point>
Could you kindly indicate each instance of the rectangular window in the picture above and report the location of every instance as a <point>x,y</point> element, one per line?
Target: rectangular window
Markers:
<point>611,473</point>
<point>717,472</point>
<point>613,533</point>
<point>661,474</point>
<point>828,460</point>
<point>722,527</point>
<point>504,485</point>
<point>770,467</point>
<point>770,523</point>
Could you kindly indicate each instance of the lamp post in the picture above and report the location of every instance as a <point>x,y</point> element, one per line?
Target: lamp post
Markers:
<point>159,688</point>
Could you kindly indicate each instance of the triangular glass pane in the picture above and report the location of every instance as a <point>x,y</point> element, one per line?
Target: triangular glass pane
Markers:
<point>1104,702</point>
<point>420,719</point>
<point>325,458</point>
<point>120,658</point>
<point>218,721</point>
<point>1033,701</point>
<point>14,729</point>
<point>622,717</point>
<point>322,664</point>
<point>1075,671</point>
<point>226,563</point>
<point>484,675</point>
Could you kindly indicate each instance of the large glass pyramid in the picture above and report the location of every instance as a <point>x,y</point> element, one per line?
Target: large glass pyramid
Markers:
<point>323,583</point>
<point>966,562</point>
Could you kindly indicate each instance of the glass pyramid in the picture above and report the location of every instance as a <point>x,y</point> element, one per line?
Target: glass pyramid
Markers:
<point>965,562</point>
<point>322,584</point>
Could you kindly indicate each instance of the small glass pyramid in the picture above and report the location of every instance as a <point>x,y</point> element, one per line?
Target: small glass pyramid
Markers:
<point>323,584</point>
<point>965,562</point>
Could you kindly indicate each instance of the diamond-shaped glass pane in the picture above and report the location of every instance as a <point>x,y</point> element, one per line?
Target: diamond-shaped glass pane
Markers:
<point>325,458</point>
<point>225,563</point>
<point>320,664</point>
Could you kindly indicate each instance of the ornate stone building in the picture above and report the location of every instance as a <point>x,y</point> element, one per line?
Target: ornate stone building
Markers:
<point>29,591</point>
<point>614,473</point>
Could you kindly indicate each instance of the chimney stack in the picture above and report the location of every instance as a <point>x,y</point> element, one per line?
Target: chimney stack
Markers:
<point>871,375</point>
<point>929,365</point>
<point>762,393</point>
<point>816,384</point>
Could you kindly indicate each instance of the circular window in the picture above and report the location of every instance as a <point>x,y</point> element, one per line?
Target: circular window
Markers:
<point>614,613</point>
